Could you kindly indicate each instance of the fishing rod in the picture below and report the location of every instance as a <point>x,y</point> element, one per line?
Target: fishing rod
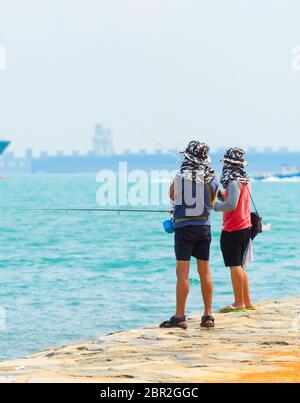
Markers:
<point>168,225</point>
<point>121,210</point>
<point>90,210</point>
<point>147,134</point>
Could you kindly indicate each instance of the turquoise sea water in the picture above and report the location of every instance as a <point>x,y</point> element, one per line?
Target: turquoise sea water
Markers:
<point>68,277</point>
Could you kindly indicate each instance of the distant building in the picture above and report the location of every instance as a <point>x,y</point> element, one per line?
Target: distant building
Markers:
<point>158,151</point>
<point>283,150</point>
<point>252,150</point>
<point>29,154</point>
<point>102,141</point>
<point>127,152</point>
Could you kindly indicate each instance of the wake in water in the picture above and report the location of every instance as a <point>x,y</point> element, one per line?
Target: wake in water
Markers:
<point>276,179</point>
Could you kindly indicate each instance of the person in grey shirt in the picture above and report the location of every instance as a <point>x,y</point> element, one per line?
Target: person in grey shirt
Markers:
<point>232,200</point>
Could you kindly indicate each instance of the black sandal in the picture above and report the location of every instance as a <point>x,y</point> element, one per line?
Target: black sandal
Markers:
<point>206,319</point>
<point>174,322</point>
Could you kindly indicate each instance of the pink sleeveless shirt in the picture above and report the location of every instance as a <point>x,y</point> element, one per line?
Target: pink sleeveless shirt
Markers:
<point>240,218</point>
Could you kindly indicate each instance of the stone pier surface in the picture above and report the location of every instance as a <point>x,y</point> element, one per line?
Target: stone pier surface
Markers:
<point>253,346</point>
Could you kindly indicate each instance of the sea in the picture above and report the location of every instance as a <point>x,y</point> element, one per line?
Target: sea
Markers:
<point>70,276</point>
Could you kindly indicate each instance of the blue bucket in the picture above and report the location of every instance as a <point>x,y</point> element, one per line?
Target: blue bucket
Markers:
<point>169,226</point>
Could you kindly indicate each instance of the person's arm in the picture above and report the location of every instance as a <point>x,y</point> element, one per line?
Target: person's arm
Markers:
<point>221,196</point>
<point>214,191</point>
<point>233,198</point>
<point>172,192</point>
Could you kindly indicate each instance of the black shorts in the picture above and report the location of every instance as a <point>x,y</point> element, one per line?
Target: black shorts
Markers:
<point>193,240</point>
<point>234,245</point>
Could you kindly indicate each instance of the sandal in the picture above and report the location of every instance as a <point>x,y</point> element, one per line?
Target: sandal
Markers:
<point>206,319</point>
<point>174,322</point>
<point>231,308</point>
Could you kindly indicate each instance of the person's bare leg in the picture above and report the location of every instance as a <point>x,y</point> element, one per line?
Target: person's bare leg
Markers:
<point>237,278</point>
<point>206,286</point>
<point>182,287</point>
<point>247,296</point>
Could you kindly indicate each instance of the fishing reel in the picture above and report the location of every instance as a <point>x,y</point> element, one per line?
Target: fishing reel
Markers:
<point>169,226</point>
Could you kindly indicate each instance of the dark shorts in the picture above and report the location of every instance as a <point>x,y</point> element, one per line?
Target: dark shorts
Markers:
<point>234,245</point>
<point>193,240</point>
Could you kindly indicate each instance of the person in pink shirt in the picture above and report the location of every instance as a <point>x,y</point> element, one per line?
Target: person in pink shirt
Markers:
<point>236,234</point>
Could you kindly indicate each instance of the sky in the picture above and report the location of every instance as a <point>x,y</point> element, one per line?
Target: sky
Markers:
<point>212,70</point>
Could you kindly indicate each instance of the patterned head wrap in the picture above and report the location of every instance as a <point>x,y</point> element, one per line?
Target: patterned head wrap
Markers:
<point>234,164</point>
<point>196,164</point>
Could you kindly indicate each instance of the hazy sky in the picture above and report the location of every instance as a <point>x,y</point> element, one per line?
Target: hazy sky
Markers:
<point>214,70</point>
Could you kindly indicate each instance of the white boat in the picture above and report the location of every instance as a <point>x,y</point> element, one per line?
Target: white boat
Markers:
<point>287,172</point>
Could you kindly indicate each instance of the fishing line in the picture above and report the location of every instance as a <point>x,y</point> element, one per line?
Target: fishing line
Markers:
<point>90,210</point>
<point>147,134</point>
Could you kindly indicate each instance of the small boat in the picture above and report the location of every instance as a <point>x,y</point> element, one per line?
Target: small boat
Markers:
<point>3,145</point>
<point>286,173</point>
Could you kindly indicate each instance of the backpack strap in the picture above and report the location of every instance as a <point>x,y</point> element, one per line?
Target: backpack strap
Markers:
<point>252,200</point>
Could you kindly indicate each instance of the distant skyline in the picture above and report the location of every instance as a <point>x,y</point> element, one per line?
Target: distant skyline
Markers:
<point>159,150</point>
<point>220,72</point>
